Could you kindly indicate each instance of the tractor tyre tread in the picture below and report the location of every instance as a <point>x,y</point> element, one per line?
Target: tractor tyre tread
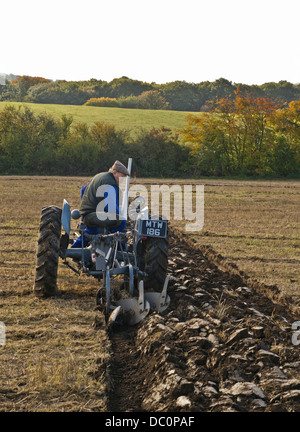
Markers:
<point>47,254</point>
<point>155,263</point>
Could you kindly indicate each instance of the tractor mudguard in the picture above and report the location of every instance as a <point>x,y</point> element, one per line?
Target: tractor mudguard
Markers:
<point>66,217</point>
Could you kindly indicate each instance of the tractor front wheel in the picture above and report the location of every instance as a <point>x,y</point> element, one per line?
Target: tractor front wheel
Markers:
<point>48,252</point>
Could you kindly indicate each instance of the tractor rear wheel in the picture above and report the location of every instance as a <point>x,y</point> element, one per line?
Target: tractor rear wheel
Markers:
<point>48,252</point>
<point>153,260</point>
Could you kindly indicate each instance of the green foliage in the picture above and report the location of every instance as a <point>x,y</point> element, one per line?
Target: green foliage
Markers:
<point>157,153</point>
<point>127,87</point>
<point>183,96</point>
<point>283,91</point>
<point>77,152</point>
<point>58,92</point>
<point>28,143</point>
<point>110,142</point>
<point>10,93</point>
<point>284,160</point>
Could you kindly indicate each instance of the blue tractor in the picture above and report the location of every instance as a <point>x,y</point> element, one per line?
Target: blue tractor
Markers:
<point>135,255</point>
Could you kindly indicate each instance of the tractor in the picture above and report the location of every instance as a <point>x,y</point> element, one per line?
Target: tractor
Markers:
<point>135,258</point>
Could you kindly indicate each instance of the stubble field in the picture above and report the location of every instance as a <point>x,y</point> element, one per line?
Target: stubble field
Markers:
<point>58,355</point>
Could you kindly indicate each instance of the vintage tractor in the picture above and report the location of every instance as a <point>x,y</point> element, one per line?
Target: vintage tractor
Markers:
<point>134,259</point>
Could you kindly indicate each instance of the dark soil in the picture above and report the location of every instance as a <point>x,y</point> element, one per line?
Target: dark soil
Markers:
<point>224,344</point>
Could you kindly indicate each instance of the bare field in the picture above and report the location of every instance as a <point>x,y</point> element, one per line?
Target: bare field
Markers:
<point>56,349</point>
<point>254,225</point>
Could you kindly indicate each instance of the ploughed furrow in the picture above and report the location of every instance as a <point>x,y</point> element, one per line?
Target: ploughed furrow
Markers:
<point>126,379</point>
<point>222,345</point>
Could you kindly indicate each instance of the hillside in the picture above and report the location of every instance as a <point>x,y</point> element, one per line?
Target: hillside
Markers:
<point>130,119</point>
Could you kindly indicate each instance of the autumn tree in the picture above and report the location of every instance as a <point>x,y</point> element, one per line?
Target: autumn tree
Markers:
<point>24,82</point>
<point>236,133</point>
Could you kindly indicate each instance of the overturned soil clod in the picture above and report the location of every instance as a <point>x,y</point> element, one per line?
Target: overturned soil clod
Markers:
<point>222,345</point>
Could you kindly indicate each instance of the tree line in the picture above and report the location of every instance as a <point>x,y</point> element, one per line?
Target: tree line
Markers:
<point>128,93</point>
<point>240,136</point>
<point>245,136</point>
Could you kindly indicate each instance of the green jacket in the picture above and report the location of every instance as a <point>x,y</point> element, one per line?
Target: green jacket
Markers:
<point>89,200</point>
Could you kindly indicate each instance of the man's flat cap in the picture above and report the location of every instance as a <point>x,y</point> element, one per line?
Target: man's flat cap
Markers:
<point>119,167</point>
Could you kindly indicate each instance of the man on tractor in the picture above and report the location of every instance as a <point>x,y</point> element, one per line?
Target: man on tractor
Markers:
<point>100,205</point>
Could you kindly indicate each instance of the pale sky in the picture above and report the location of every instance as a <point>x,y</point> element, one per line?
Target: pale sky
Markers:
<point>244,41</point>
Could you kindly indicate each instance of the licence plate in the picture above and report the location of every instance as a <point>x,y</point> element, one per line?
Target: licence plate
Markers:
<point>153,228</point>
